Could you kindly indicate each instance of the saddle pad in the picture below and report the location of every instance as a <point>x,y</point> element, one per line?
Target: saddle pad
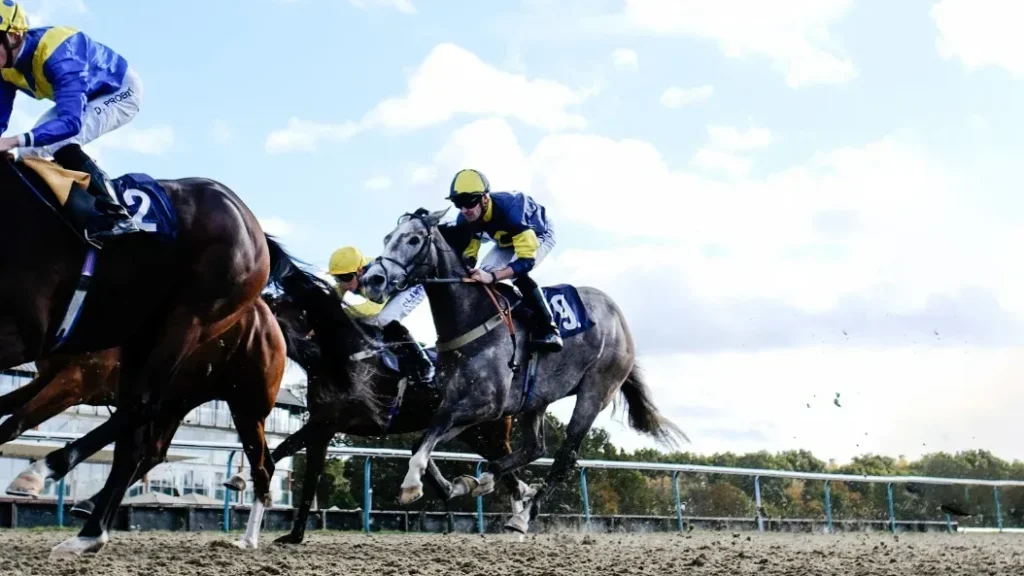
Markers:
<point>142,196</point>
<point>568,309</point>
<point>147,202</point>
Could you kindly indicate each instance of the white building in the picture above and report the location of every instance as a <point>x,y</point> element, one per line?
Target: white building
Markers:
<point>184,472</point>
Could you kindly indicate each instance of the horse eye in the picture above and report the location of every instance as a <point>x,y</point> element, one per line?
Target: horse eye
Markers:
<point>414,241</point>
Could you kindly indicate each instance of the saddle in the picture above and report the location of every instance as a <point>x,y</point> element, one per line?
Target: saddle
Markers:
<point>66,192</point>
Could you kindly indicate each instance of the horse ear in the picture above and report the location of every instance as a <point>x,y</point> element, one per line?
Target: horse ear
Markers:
<point>435,217</point>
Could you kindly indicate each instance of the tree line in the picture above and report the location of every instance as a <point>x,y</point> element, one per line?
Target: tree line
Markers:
<point>635,492</point>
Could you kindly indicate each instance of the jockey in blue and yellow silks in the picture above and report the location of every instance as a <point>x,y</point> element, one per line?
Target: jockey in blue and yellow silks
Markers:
<point>94,90</point>
<point>523,235</point>
<point>345,266</point>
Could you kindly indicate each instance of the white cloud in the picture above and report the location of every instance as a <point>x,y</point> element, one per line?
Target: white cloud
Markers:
<point>882,219</point>
<point>403,6</point>
<point>981,33</point>
<point>739,289</point>
<point>676,97</point>
<point>378,183</point>
<point>722,153</point>
<point>795,35</point>
<point>721,161</point>
<point>422,174</point>
<point>221,132</point>
<point>154,140</point>
<point>625,59</point>
<point>933,399</point>
<point>276,226</point>
<point>438,92</point>
<point>305,136</point>
<point>732,139</point>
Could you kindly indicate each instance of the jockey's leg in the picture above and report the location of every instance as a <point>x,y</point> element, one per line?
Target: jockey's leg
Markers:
<point>545,335</point>
<point>102,115</point>
<point>390,320</point>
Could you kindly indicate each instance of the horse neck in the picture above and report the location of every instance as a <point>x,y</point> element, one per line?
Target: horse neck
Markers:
<point>457,307</point>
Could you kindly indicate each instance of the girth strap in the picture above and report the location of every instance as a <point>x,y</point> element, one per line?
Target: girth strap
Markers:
<point>472,335</point>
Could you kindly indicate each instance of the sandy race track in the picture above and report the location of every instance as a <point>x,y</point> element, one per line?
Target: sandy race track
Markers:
<point>24,553</point>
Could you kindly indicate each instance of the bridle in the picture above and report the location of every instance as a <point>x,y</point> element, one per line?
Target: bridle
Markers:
<point>419,260</point>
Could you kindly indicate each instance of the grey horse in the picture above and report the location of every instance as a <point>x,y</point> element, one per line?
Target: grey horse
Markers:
<point>475,369</point>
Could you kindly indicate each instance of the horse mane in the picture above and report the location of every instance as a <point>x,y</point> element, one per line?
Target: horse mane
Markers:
<point>324,312</point>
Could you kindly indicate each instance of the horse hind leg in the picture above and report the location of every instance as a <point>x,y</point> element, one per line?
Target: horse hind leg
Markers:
<point>250,432</point>
<point>588,405</point>
<point>316,457</point>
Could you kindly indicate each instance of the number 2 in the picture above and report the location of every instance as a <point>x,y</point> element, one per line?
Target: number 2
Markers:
<point>130,198</point>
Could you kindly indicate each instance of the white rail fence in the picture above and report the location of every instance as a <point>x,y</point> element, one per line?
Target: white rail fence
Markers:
<point>674,469</point>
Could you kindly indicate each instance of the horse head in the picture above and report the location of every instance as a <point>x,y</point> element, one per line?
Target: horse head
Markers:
<point>413,251</point>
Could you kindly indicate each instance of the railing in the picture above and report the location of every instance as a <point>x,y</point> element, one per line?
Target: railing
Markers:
<point>674,469</point>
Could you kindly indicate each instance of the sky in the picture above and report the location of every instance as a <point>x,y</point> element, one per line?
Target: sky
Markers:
<point>808,210</point>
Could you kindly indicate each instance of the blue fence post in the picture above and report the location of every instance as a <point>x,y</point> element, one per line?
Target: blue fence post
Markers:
<point>675,495</point>
<point>479,503</point>
<point>892,512</point>
<point>757,502</point>
<point>999,508</point>
<point>367,495</point>
<point>60,503</point>
<point>586,497</point>
<point>227,495</point>
<point>828,506</point>
<point>949,523</point>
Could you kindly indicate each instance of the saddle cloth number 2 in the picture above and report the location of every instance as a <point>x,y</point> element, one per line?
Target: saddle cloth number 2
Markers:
<point>132,197</point>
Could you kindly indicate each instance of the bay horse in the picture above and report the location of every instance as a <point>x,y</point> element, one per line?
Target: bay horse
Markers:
<point>244,367</point>
<point>157,300</point>
<point>337,349</point>
<point>481,383</point>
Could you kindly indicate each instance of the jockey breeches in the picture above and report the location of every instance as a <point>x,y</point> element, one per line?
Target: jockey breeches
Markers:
<point>500,257</point>
<point>101,115</point>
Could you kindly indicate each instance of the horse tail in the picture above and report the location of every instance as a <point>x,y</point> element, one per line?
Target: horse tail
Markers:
<point>300,350</point>
<point>282,264</point>
<point>318,298</point>
<point>644,415</point>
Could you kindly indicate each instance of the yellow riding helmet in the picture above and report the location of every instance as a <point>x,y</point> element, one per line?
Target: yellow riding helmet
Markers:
<point>469,181</point>
<point>12,17</point>
<point>346,261</point>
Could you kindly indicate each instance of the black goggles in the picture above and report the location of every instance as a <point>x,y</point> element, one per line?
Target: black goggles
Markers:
<point>467,200</point>
<point>345,277</point>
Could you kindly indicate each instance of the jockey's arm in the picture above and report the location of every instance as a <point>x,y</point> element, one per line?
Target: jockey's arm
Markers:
<point>67,76</point>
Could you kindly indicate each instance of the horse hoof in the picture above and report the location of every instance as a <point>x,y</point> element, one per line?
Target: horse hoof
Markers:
<point>289,539</point>
<point>517,524</point>
<point>410,495</point>
<point>463,485</point>
<point>243,544</point>
<point>236,483</point>
<point>77,546</point>
<point>485,485</point>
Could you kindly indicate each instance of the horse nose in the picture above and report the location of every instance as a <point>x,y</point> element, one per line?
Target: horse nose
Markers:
<point>375,281</point>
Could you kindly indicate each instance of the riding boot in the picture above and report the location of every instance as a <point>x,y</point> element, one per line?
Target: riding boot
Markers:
<point>545,334</point>
<point>110,218</point>
<point>411,350</point>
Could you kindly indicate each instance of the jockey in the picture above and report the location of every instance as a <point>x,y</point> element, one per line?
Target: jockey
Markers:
<point>345,266</point>
<point>523,235</point>
<point>94,91</point>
